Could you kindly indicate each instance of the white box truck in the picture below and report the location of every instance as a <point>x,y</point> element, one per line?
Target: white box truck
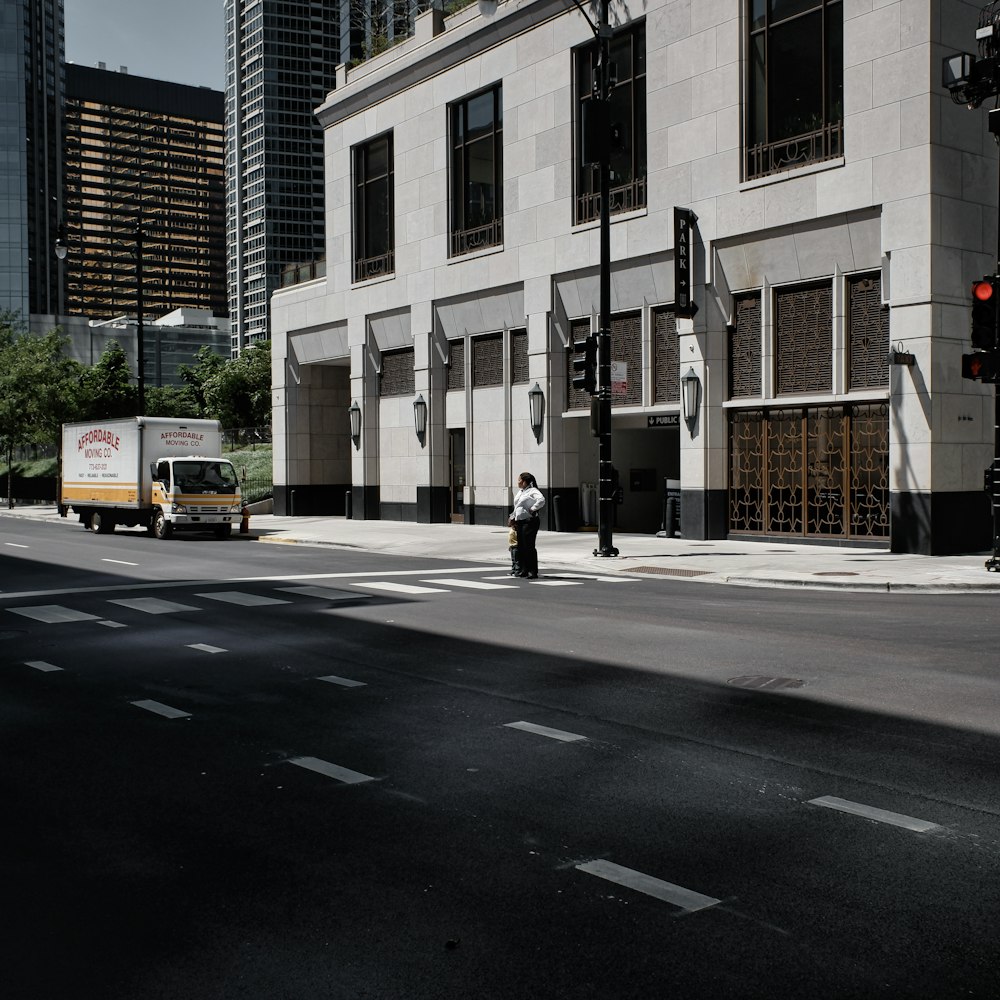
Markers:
<point>162,474</point>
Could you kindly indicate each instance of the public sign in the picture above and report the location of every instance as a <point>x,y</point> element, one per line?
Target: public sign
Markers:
<point>684,220</point>
<point>619,378</point>
<point>664,420</point>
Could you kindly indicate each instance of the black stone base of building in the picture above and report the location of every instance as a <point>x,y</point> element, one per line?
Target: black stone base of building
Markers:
<point>433,505</point>
<point>310,501</point>
<point>941,524</point>
<point>704,513</point>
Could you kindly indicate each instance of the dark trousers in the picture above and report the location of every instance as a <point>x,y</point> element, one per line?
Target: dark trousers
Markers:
<point>527,554</point>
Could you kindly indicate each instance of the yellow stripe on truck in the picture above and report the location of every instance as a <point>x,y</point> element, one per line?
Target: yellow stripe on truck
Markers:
<point>105,493</point>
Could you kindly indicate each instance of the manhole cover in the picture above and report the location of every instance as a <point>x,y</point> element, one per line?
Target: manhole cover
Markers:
<point>768,683</point>
<point>669,571</point>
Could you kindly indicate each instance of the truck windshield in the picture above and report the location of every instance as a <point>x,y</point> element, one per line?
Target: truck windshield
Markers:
<point>205,477</point>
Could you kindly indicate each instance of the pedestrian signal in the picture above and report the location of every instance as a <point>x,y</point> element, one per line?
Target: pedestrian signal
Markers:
<point>981,366</point>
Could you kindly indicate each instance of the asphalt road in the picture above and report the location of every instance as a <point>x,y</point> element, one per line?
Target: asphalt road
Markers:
<point>238,770</point>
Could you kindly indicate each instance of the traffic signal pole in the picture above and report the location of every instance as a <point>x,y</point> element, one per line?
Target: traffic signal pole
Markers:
<point>606,502</point>
<point>993,563</point>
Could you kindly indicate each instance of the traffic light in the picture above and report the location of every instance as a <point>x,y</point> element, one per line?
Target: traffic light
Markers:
<point>985,294</point>
<point>585,364</point>
<point>981,366</point>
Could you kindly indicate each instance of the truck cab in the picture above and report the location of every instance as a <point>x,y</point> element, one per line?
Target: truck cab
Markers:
<point>194,493</point>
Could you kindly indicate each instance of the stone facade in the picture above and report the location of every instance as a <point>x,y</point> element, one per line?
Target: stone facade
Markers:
<point>870,240</point>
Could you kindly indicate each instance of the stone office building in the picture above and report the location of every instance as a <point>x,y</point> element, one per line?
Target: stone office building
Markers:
<point>843,205</point>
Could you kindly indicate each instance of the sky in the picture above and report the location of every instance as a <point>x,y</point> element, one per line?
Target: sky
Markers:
<point>182,41</point>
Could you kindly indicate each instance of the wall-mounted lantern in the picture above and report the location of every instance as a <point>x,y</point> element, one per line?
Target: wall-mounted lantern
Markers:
<point>354,412</point>
<point>420,417</point>
<point>536,408</point>
<point>690,398</point>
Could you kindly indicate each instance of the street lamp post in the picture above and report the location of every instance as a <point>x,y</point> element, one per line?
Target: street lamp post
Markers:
<point>606,496</point>
<point>139,332</point>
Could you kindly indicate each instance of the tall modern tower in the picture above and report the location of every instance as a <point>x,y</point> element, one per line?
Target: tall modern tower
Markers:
<point>281,57</point>
<point>141,150</point>
<point>32,50</point>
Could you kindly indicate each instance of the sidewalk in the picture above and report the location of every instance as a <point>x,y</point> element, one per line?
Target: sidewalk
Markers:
<point>749,564</point>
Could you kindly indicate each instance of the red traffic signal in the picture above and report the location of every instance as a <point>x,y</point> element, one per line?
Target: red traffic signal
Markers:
<point>985,294</point>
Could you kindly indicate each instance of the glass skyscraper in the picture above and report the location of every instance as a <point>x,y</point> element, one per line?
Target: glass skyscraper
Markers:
<point>281,57</point>
<point>32,49</point>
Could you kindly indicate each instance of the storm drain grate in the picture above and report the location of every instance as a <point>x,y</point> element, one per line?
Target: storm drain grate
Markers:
<point>767,683</point>
<point>668,571</point>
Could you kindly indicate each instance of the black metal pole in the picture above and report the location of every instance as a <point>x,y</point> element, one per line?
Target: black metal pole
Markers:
<point>140,333</point>
<point>606,502</point>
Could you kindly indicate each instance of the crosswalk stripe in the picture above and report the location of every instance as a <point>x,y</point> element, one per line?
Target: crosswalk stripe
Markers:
<point>342,681</point>
<point>557,583</point>
<point>160,709</point>
<point>552,734</point>
<point>687,899</point>
<point>204,647</point>
<point>598,579</point>
<point>347,776</point>
<point>324,593</point>
<point>111,624</point>
<point>871,812</point>
<point>41,665</point>
<point>153,605</point>
<point>242,599</point>
<point>474,584</point>
<point>51,613</point>
<point>398,588</point>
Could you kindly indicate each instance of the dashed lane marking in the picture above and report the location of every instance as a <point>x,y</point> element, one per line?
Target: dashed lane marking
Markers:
<point>871,812</point>
<point>15,545</point>
<point>153,605</point>
<point>41,665</point>
<point>342,681</point>
<point>242,599</point>
<point>204,647</point>
<point>552,734</point>
<point>120,562</point>
<point>687,899</point>
<point>398,588</point>
<point>53,613</point>
<point>474,584</point>
<point>347,776</point>
<point>160,709</point>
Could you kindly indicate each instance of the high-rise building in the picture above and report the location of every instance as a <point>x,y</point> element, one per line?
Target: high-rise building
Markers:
<point>141,151</point>
<point>280,65</point>
<point>31,59</point>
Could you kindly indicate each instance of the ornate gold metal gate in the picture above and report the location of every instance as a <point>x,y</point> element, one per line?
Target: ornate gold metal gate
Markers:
<point>810,471</point>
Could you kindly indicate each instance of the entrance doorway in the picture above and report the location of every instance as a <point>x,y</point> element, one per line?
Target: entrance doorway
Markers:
<point>456,475</point>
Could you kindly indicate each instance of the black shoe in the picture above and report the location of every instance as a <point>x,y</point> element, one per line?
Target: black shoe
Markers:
<point>523,576</point>
<point>531,576</point>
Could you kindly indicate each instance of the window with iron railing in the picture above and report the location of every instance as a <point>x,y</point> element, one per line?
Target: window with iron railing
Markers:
<point>627,114</point>
<point>477,172</point>
<point>795,87</point>
<point>374,242</point>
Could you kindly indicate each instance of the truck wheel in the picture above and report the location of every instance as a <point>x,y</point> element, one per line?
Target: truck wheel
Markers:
<point>102,524</point>
<point>223,531</point>
<point>162,528</point>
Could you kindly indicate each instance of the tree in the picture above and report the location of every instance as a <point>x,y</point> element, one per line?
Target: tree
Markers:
<point>198,375</point>
<point>172,401</point>
<point>238,392</point>
<point>39,388</point>
<point>108,388</point>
